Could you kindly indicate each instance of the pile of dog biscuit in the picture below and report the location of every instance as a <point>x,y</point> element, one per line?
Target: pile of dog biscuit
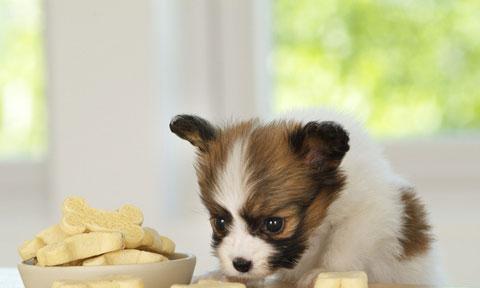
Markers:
<point>87,236</point>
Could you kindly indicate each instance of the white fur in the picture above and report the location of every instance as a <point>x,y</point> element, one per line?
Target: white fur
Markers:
<point>231,194</point>
<point>239,243</point>
<point>361,229</point>
<point>231,190</point>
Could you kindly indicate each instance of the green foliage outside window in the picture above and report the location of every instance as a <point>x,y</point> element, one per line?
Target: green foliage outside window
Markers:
<point>22,104</point>
<point>405,67</point>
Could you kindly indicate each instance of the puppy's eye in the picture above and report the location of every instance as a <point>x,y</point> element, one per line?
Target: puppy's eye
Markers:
<point>274,224</point>
<point>220,224</point>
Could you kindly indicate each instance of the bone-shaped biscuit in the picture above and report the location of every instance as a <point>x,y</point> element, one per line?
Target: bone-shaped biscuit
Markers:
<point>50,235</point>
<point>79,246</point>
<point>211,284</point>
<point>154,242</point>
<point>112,282</point>
<point>353,279</point>
<point>78,217</point>
<point>127,256</point>
<point>29,248</point>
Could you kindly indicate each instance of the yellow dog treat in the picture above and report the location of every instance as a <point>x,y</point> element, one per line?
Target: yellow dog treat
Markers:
<point>114,282</point>
<point>78,217</point>
<point>79,246</point>
<point>128,256</point>
<point>29,248</point>
<point>152,241</point>
<point>211,284</point>
<point>52,235</point>
<point>354,279</point>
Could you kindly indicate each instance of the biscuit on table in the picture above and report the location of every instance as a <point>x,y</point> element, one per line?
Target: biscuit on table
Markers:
<point>353,279</point>
<point>211,284</point>
<point>112,282</point>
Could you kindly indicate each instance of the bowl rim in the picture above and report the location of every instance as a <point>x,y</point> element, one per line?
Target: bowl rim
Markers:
<point>183,257</point>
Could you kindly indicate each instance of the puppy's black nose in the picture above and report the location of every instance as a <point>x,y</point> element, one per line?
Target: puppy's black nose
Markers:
<point>242,265</point>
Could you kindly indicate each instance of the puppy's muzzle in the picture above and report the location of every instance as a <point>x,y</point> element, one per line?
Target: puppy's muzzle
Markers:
<point>242,265</point>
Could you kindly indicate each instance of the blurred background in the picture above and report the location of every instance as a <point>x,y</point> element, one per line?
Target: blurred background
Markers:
<point>87,89</point>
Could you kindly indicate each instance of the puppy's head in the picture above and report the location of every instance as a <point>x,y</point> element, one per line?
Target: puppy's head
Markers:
<point>266,187</point>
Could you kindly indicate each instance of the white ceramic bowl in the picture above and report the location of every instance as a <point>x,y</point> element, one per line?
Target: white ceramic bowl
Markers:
<point>178,270</point>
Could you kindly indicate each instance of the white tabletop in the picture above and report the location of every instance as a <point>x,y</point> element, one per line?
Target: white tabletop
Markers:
<point>9,278</point>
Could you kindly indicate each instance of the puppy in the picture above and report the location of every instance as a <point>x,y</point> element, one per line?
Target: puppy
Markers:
<point>300,196</point>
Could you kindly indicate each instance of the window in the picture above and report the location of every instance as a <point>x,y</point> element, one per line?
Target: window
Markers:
<point>410,69</point>
<point>405,67</point>
<point>22,102</point>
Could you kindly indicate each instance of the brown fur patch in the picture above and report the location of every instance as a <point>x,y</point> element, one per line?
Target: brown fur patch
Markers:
<point>276,176</point>
<point>416,237</point>
<point>210,162</point>
<point>281,180</point>
<point>318,209</point>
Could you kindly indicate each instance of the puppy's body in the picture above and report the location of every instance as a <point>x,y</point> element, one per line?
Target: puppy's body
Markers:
<point>376,224</point>
<point>340,205</point>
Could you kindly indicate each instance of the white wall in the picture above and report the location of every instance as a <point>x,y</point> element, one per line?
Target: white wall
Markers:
<point>102,104</point>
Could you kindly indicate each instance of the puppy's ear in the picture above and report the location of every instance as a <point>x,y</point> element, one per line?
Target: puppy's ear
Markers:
<point>194,129</point>
<point>320,144</point>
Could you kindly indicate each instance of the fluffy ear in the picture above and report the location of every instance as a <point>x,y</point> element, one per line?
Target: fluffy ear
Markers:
<point>320,144</point>
<point>194,129</point>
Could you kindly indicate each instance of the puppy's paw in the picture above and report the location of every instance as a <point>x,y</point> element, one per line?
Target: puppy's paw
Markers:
<point>212,275</point>
<point>308,279</point>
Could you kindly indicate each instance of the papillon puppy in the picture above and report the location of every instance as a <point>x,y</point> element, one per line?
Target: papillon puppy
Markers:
<point>302,195</point>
